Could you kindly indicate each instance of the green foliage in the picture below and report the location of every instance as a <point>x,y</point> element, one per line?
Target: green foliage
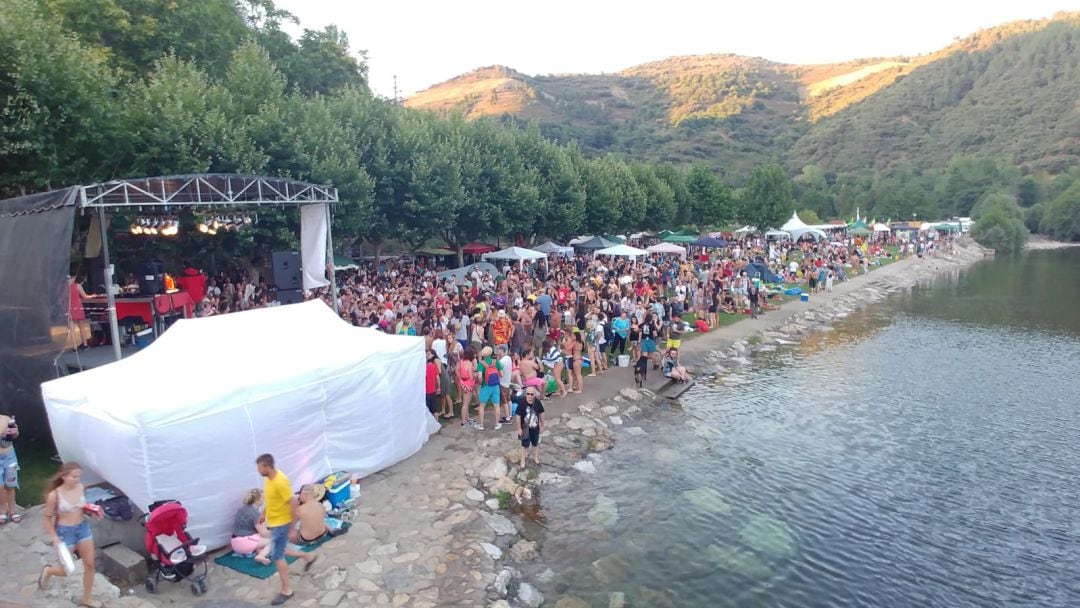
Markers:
<point>1033,217</point>
<point>503,497</point>
<point>809,216</point>
<point>1062,216</point>
<point>1000,224</point>
<point>767,200</point>
<point>710,200</point>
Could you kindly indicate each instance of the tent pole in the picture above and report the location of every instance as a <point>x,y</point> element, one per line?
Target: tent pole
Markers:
<point>114,330</point>
<point>330,254</point>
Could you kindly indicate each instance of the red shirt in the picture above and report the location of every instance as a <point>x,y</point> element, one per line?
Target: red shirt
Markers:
<point>432,377</point>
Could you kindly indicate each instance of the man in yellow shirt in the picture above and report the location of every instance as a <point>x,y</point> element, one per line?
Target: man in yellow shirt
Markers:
<point>281,506</point>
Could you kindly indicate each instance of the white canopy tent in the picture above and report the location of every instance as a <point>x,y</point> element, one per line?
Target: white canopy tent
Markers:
<point>516,254</point>
<point>794,223</point>
<point>625,251</point>
<point>879,227</point>
<point>554,248</point>
<point>746,230</point>
<point>667,248</point>
<point>777,234</point>
<point>186,417</point>
<point>818,235</point>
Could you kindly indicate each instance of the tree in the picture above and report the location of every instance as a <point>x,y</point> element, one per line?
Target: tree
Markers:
<point>1000,232</point>
<point>660,204</point>
<point>767,201</point>
<point>809,216</point>
<point>323,63</point>
<point>1062,217</point>
<point>710,198</point>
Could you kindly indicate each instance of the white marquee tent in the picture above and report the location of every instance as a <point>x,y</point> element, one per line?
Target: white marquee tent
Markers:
<point>879,227</point>
<point>667,248</point>
<point>625,251</point>
<point>515,254</point>
<point>186,417</point>
<point>794,223</point>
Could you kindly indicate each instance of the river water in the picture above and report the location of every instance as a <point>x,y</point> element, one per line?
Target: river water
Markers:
<point>923,453</point>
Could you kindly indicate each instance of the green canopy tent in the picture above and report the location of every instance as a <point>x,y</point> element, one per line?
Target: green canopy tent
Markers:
<point>860,231</point>
<point>675,237</point>
<point>343,263</point>
<point>947,227</point>
<point>438,251</point>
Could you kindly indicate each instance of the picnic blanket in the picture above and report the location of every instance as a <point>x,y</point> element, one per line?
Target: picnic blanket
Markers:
<point>247,565</point>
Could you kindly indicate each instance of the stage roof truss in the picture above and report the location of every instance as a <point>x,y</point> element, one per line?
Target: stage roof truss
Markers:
<point>204,190</point>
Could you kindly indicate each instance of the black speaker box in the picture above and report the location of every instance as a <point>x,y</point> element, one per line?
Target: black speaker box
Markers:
<point>286,269</point>
<point>290,296</point>
<point>151,277</point>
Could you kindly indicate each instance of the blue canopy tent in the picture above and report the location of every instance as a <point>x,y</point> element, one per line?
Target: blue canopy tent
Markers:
<point>758,270</point>
<point>711,242</point>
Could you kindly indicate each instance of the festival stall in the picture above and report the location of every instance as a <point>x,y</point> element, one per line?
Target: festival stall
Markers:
<point>515,254</point>
<point>665,248</point>
<point>551,248</point>
<point>186,417</point>
<point>625,251</point>
<point>596,242</point>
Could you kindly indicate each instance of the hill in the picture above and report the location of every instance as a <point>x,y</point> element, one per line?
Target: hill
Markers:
<point>1009,91</point>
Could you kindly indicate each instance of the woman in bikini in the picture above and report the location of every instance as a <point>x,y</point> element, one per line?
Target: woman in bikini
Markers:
<point>553,360</point>
<point>578,349</point>
<point>65,522</point>
<point>530,371</point>
<point>466,381</point>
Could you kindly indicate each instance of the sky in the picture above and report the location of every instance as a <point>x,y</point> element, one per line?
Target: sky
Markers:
<point>424,42</point>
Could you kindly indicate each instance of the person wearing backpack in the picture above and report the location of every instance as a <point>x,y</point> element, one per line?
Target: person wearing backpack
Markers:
<point>488,370</point>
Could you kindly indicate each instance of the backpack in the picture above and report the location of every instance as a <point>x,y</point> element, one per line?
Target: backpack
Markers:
<point>491,374</point>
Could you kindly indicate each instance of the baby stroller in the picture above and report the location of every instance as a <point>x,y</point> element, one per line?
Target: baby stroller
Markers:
<point>174,554</point>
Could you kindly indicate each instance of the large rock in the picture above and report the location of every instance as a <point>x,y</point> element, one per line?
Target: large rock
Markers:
<point>499,524</point>
<point>492,551</point>
<point>523,551</point>
<point>631,393</point>
<point>608,410</point>
<point>605,512</point>
<point>475,495</point>
<point>585,467</point>
<point>616,599</point>
<point>547,478</point>
<point>495,469</point>
<point>502,580</point>
<point>529,596</point>
<point>576,423</point>
<point>503,484</point>
<point>707,500</point>
<point>610,569</point>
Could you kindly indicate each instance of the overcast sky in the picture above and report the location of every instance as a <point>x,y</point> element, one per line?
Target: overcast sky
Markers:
<point>424,42</point>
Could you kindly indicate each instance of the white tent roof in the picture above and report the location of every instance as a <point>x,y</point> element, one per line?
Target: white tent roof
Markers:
<point>779,233</point>
<point>515,253</point>
<point>550,247</point>
<point>794,223</point>
<point>798,233</point>
<point>186,417</point>
<point>625,251</point>
<point>667,248</point>
<point>879,227</point>
<point>746,230</point>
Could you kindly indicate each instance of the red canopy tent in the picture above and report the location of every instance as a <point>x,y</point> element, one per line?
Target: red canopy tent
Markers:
<point>478,248</point>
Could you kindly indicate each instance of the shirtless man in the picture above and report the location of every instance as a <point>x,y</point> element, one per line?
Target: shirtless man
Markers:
<point>311,514</point>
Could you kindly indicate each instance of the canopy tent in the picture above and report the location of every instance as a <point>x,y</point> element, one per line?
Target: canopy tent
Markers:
<point>625,251</point>
<point>859,231</point>
<point>465,271</point>
<point>554,248</point>
<point>858,224</point>
<point>879,227</point>
<point>343,263</point>
<point>947,227</point>
<point>746,230</point>
<point>667,248</point>
<point>710,242</point>
<point>759,270</point>
<point>798,233</point>
<point>323,396</point>
<point>515,254</point>
<point>615,238</point>
<point>596,242</point>
<point>477,248</point>
<point>794,224</point>
<point>777,234</point>
<point>679,238</point>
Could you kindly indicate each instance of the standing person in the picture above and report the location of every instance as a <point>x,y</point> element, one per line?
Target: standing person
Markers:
<point>621,328</point>
<point>66,522</point>
<point>752,294</point>
<point>554,361</point>
<point>281,505</point>
<point>675,332</point>
<point>578,350</point>
<point>431,384</point>
<point>488,371</point>
<point>9,470</point>
<point>466,383</point>
<point>506,365</point>
<point>502,330</point>
<point>76,312</point>
<point>529,423</point>
<point>544,315</point>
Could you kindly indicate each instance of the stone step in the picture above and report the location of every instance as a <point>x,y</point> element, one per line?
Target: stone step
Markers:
<point>122,566</point>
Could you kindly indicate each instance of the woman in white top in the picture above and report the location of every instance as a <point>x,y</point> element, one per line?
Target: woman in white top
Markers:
<point>67,523</point>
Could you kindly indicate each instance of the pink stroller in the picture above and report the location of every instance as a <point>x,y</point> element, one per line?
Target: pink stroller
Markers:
<point>174,554</point>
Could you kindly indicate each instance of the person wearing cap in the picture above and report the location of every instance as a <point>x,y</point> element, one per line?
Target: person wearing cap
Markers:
<point>529,423</point>
<point>312,526</point>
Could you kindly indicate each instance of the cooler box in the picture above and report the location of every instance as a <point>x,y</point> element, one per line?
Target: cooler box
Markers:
<point>144,338</point>
<point>337,487</point>
<point>804,297</point>
<point>624,360</point>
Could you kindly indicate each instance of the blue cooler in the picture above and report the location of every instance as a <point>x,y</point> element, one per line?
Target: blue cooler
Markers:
<point>338,491</point>
<point>144,338</point>
<point>804,297</point>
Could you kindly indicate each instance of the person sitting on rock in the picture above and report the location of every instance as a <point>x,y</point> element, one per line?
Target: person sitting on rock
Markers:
<point>672,368</point>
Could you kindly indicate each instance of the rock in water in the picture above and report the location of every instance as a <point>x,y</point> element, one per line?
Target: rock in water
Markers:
<point>585,466</point>
<point>616,599</point>
<point>708,500</point>
<point>768,535</point>
<point>605,511</point>
<point>523,551</point>
<point>571,602</point>
<point>492,551</point>
<point>499,524</point>
<point>736,560</point>
<point>529,596</point>
<point>610,569</point>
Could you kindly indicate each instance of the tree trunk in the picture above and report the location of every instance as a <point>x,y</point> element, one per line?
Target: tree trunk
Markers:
<point>377,248</point>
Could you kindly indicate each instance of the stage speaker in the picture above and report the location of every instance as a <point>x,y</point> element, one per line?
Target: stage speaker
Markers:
<point>290,296</point>
<point>286,269</point>
<point>151,277</point>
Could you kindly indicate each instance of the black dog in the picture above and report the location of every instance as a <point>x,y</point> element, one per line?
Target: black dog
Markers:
<point>641,370</point>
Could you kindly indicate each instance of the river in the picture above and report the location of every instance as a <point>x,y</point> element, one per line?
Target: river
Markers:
<point>922,453</point>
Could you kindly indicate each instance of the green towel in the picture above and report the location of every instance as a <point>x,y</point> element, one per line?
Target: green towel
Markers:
<point>250,567</point>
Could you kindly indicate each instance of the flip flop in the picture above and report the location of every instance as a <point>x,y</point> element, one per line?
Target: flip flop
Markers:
<point>3,519</point>
<point>281,599</point>
<point>41,578</point>
<point>15,518</point>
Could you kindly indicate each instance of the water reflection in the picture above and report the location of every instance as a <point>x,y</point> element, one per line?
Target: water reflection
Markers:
<point>904,459</point>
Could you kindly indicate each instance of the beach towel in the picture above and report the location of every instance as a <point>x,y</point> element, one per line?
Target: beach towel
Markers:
<point>248,565</point>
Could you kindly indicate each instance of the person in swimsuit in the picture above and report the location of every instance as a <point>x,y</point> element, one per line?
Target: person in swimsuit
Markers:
<point>567,348</point>
<point>312,526</point>
<point>466,382</point>
<point>530,370</point>
<point>67,523</point>
<point>554,361</point>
